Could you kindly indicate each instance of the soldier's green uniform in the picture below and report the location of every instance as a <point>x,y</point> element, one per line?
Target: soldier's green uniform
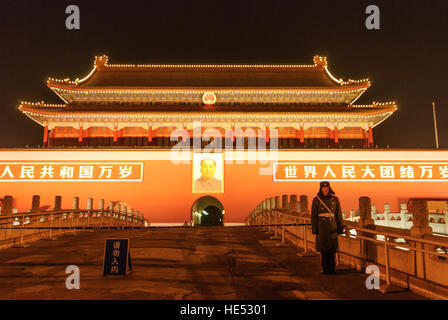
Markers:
<point>327,226</point>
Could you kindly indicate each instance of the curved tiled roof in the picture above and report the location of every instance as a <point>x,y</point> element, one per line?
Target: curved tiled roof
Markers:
<point>43,109</point>
<point>106,76</point>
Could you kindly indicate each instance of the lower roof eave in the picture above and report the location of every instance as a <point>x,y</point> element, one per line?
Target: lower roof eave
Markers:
<point>140,119</point>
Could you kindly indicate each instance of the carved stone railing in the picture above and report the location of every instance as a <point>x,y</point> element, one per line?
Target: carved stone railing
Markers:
<point>18,228</point>
<point>414,259</point>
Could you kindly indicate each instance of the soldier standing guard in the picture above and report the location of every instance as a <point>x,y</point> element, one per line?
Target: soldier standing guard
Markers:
<point>326,223</point>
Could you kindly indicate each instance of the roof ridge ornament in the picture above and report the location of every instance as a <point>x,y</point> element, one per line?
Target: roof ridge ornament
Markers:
<point>320,61</point>
<point>101,61</point>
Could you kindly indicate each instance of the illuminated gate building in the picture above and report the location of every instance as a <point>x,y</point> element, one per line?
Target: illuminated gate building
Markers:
<point>304,106</point>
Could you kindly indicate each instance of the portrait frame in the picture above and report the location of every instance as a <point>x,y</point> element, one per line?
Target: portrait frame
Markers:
<point>218,175</point>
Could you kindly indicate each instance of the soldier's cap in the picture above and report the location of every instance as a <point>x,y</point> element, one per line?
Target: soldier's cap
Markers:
<point>324,184</point>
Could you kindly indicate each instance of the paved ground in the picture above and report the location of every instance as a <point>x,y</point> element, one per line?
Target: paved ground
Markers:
<point>187,263</point>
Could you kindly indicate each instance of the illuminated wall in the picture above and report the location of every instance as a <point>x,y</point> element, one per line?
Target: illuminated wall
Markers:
<point>162,190</point>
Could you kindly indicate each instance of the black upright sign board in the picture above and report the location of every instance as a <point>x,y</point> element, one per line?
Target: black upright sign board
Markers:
<point>117,259</point>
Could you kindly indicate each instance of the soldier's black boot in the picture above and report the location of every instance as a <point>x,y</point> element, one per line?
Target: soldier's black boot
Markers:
<point>332,263</point>
<point>324,261</point>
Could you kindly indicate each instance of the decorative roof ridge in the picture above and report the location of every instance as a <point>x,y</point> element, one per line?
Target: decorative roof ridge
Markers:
<point>101,64</point>
<point>40,104</point>
<point>375,105</point>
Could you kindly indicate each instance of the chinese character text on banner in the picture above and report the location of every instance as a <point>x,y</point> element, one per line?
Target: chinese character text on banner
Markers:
<point>361,171</point>
<point>71,171</point>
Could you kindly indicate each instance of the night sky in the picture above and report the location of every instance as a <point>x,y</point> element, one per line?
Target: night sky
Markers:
<point>406,59</point>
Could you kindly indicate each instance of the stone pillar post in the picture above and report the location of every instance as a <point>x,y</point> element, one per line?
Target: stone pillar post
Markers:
<point>101,204</point>
<point>403,211</point>
<point>118,208</point>
<point>268,203</point>
<point>374,212</point>
<point>111,205</point>
<point>76,203</point>
<point>366,221</point>
<point>89,204</point>
<point>263,205</point>
<point>278,203</point>
<point>304,205</point>
<point>386,213</point>
<point>420,228</point>
<point>293,204</point>
<point>272,200</point>
<point>285,205</point>
<point>446,217</point>
<point>365,212</point>
<point>35,204</point>
<point>125,209</point>
<point>419,210</point>
<point>7,205</point>
<point>57,203</point>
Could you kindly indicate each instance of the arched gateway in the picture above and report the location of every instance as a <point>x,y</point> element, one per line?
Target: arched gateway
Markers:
<point>207,211</point>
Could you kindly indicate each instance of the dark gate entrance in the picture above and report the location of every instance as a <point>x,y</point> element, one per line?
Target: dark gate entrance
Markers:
<point>207,211</point>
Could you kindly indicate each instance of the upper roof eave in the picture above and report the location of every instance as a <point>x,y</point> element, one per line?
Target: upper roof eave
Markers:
<point>101,65</point>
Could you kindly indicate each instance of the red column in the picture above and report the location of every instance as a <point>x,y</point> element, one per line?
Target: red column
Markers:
<point>301,134</point>
<point>184,134</point>
<point>336,138</point>
<point>228,133</point>
<point>267,133</point>
<point>115,134</point>
<point>45,135</point>
<point>51,136</point>
<point>370,136</point>
<point>80,134</point>
<point>149,133</point>
<point>365,135</point>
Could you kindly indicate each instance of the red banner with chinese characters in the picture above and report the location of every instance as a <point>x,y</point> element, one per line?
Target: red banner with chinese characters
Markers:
<point>360,171</point>
<point>71,171</point>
